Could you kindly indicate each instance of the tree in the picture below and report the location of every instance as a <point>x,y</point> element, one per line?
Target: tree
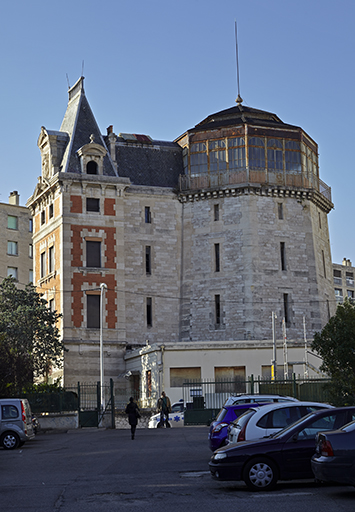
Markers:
<point>29,337</point>
<point>336,345</point>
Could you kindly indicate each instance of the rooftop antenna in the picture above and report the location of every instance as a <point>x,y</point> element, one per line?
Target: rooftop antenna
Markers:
<point>68,80</point>
<point>239,100</point>
<point>82,69</point>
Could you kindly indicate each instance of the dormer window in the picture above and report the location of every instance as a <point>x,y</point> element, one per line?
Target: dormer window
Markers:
<point>92,157</point>
<point>91,167</point>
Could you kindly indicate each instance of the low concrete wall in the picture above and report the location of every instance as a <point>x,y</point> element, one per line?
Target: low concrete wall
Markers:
<point>121,420</point>
<point>58,421</point>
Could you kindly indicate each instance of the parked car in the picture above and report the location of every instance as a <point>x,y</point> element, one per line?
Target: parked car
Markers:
<point>232,408</point>
<point>15,422</point>
<point>255,423</point>
<point>176,416</point>
<point>286,455</point>
<point>334,460</point>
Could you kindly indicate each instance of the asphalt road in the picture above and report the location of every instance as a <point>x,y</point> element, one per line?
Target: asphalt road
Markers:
<point>162,469</point>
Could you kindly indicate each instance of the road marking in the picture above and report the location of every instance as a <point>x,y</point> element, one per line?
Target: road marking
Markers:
<point>194,474</point>
<point>282,494</point>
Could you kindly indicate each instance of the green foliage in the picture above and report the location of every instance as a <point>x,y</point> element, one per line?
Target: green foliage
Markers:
<point>336,345</point>
<point>29,337</point>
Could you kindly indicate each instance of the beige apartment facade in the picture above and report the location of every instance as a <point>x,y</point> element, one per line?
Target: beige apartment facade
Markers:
<point>192,244</point>
<point>343,277</point>
<point>16,255</point>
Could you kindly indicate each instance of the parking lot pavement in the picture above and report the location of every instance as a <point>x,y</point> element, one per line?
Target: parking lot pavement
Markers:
<point>104,470</point>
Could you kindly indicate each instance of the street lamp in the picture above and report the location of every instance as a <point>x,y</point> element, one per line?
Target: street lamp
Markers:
<point>103,287</point>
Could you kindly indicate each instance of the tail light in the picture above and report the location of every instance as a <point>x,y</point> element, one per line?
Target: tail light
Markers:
<point>219,427</point>
<point>326,449</point>
<point>241,435</point>
<point>24,417</point>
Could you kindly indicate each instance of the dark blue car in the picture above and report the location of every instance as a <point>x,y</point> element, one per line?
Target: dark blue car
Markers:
<point>233,407</point>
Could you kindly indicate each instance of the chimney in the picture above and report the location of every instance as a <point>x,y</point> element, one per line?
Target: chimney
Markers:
<point>348,263</point>
<point>344,262</point>
<point>14,198</point>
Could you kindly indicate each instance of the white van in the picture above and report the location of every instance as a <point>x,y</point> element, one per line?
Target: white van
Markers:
<point>15,422</point>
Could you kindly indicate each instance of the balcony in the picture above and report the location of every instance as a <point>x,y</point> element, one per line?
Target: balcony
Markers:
<point>247,176</point>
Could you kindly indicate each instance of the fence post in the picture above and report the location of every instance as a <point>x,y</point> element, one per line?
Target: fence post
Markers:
<point>252,384</point>
<point>79,397</point>
<point>294,386</point>
<point>113,425</point>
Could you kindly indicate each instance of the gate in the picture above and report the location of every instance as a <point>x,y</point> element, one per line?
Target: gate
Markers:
<point>90,412</point>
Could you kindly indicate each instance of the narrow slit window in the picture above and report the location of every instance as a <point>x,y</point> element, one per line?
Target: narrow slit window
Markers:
<point>217,307</point>
<point>217,258</point>
<point>280,211</point>
<point>324,269</point>
<point>283,255</point>
<point>148,260</point>
<point>216,212</point>
<point>286,306</point>
<point>149,312</point>
<point>147,215</point>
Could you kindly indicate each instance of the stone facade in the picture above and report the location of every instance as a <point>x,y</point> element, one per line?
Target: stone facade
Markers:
<point>188,254</point>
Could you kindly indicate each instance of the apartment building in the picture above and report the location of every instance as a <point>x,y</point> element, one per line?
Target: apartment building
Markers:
<point>343,276</point>
<point>16,249</point>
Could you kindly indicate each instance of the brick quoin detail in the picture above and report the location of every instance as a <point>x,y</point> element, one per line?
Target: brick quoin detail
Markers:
<point>76,251</point>
<point>109,206</point>
<point>78,282</point>
<point>77,240</point>
<point>76,204</point>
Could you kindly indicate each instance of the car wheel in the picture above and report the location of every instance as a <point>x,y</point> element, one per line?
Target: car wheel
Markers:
<point>9,440</point>
<point>260,474</point>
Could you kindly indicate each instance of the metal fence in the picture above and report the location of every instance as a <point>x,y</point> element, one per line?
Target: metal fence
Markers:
<point>209,396</point>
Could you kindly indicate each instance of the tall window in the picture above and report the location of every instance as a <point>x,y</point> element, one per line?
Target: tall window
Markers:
<point>149,312</point>
<point>280,211</point>
<point>30,225</point>
<point>217,153</point>
<point>43,264</point>
<point>198,158</point>
<point>217,308</point>
<point>274,155</point>
<point>12,222</point>
<point>51,305</point>
<point>324,270</point>
<point>147,215</point>
<point>148,380</point>
<point>148,261</point>
<point>216,212</point>
<point>256,153</point>
<point>30,276</point>
<point>12,248</point>
<point>30,250</point>
<point>93,311</point>
<point>283,255</point>
<point>43,217</point>
<point>293,156</point>
<point>286,310</point>
<point>51,264</point>
<point>236,153</point>
<point>50,211</point>
<point>93,254</point>
<point>217,258</point>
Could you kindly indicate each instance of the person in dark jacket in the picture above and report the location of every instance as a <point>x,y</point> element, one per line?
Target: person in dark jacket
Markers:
<point>164,407</point>
<point>133,415</point>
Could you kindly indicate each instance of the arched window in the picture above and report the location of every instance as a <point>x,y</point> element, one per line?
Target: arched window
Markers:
<point>91,167</point>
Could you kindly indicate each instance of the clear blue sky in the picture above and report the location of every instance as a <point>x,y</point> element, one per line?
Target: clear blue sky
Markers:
<point>162,66</point>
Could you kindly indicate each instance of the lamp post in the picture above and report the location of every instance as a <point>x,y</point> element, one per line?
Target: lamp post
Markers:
<point>103,287</point>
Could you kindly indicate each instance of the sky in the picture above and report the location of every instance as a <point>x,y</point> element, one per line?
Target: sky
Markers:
<point>160,67</point>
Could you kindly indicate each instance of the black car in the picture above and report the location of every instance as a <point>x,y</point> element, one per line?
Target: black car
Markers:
<point>334,460</point>
<point>285,455</point>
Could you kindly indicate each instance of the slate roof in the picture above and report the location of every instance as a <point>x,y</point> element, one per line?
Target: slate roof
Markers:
<point>80,123</point>
<point>238,115</point>
<point>159,164</point>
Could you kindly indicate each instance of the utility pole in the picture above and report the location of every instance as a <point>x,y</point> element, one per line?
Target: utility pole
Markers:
<point>103,287</point>
<point>305,349</point>
<point>285,349</point>
<point>274,354</point>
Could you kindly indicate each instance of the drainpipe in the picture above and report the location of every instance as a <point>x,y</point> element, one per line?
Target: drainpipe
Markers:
<point>162,348</point>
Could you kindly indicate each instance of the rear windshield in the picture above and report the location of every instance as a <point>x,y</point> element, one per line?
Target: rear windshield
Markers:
<point>244,418</point>
<point>221,415</point>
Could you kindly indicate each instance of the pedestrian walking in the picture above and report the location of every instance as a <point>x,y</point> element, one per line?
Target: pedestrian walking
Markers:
<point>133,415</point>
<point>164,407</point>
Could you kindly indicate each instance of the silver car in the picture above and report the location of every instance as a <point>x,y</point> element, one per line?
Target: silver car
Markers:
<point>15,422</point>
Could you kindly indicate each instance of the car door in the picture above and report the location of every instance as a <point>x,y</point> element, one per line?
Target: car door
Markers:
<point>300,446</point>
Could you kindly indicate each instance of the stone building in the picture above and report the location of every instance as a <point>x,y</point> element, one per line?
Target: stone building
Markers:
<point>197,240</point>
<point>16,254</point>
